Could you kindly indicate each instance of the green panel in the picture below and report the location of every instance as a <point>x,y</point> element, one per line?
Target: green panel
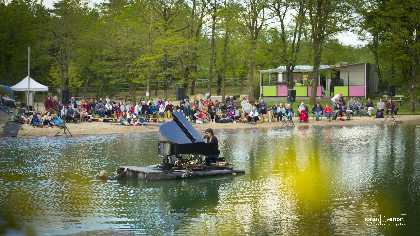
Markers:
<point>341,89</point>
<point>270,91</point>
<point>301,91</point>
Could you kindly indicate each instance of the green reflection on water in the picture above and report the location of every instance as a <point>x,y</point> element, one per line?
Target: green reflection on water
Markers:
<point>306,180</point>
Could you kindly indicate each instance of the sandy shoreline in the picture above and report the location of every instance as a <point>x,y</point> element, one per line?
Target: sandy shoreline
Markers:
<point>101,128</point>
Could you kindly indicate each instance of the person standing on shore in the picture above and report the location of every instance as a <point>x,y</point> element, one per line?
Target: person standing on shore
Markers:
<point>336,99</point>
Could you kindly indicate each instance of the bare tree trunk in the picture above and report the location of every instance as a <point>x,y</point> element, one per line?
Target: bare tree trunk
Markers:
<point>165,76</point>
<point>192,86</point>
<point>132,91</point>
<point>213,46</point>
<point>65,77</point>
<point>251,67</point>
<point>317,62</point>
<point>196,29</point>
<point>375,52</point>
<point>290,82</point>
<point>254,19</point>
<point>317,19</point>
<point>148,84</point>
<point>63,67</point>
<point>156,88</point>
<point>392,70</point>
<point>185,73</point>
<point>149,43</point>
<point>219,82</point>
<point>225,48</point>
<point>243,77</point>
<point>414,85</point>
<point>193,69</point>
<point>85,87</point>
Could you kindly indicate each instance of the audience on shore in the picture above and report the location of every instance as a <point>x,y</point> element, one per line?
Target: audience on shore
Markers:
<point>128,112</point>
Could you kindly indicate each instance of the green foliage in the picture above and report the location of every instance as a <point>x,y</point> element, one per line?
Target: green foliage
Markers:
<point>394,26</point>
<point>21,24</point>
<point>124,44</point>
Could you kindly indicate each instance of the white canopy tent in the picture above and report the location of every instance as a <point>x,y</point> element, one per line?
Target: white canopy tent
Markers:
<point>30,86</point>
<point>33,86</point>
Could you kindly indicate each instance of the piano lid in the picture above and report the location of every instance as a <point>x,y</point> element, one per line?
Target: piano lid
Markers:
<point>180,131</point>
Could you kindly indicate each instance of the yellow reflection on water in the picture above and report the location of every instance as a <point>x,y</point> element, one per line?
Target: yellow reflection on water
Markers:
<point>284,189</point>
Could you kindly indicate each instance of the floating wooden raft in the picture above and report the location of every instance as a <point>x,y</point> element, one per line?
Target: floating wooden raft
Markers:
<point>155,173</point>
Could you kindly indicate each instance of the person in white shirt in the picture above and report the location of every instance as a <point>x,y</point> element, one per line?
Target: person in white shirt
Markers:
<point>380,105</point>
<point>253,115</point>
<point>243,103</point>
<point>137,109</point>
<point>130,118</point>
<point>335,99</point>
<point>162,110</point>
<point>246,109</point>
<point>302,107</point>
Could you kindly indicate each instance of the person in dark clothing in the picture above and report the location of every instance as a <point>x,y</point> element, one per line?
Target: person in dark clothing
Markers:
<point>210,138</point>
<point>169,109</point>
<point>35,121</point>
<point>48,104</point>
<point>212,113</point>
<point>71,114</point>
<point>337,111</point>
<point>390,106</point>
<point>289,112</point>
<point>317,110</point>
<point>369,107</point>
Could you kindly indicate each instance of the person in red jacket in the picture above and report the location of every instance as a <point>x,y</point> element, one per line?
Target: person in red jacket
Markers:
<point>48,104</point>
<point>328,112</point>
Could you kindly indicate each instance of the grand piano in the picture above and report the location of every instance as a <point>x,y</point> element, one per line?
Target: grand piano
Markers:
<point>183,140</point>
<point>184,154</point>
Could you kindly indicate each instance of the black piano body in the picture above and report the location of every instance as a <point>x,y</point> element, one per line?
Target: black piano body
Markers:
<point>182,138</point>
<point>167,148</point>
<point>184,154</point>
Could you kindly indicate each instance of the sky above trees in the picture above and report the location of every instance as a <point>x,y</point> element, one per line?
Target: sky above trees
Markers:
<point>346,38</point>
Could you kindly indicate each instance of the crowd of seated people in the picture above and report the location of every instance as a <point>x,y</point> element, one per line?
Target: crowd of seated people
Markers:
<point>340,108</point>
<point>46,120</point>
<point>227,111</point>
<point>128,112</point>
<point>88,109</point>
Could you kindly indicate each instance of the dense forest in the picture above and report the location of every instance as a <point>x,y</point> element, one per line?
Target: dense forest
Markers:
<point>201,45</point>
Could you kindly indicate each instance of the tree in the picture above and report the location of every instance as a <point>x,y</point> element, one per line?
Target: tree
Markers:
<point>197,13</point>
<point>394,26</point>
<point>290,36</point>
<point>326,18</point>
<point>170,44</point>
<point>22,25</point>
<point>229,24</point>
<point>65,27</point>
<point>254,16</point>
<point>214,5</point>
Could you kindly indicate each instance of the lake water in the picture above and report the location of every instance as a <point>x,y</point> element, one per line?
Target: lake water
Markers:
<point>360,180</point>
